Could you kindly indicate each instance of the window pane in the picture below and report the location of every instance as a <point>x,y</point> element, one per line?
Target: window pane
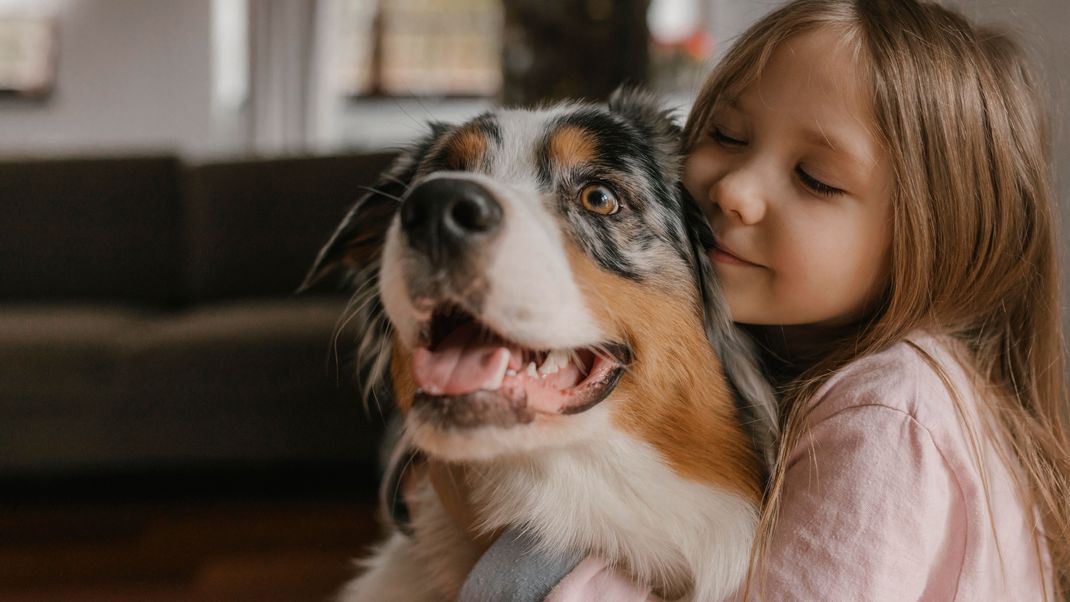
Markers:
<point>440,47</point>
<point>27,47</point>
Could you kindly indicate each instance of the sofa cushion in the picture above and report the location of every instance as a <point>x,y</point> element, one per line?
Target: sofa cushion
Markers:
<point>254,227</point>
<point>230,382</point>
<point>245,380</point>
<point>66,355</point>
<point>59,369</point>
<point>89,229</point>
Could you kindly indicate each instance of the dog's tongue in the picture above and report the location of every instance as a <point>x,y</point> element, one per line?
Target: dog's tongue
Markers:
<point>464,362</point>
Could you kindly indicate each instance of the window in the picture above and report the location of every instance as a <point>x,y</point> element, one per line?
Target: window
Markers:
<point>421,48</point>
<point>27,56</point>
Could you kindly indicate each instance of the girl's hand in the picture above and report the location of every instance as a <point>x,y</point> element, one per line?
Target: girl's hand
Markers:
<point>450,483</point>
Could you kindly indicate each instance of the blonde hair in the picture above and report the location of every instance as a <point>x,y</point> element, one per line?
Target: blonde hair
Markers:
<point>973,253</point>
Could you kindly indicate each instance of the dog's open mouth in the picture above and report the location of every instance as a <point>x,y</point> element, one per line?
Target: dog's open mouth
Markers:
<point>464,357</point>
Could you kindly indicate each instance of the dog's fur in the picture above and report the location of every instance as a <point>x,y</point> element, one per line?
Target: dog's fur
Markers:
<point>660,469</point>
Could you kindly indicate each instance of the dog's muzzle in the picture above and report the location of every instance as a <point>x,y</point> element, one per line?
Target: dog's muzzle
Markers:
<point>444,217</point>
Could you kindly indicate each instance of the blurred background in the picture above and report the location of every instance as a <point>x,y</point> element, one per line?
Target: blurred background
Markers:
<point>175,423</point>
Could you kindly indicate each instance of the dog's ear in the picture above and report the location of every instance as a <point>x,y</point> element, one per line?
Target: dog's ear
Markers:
<point>658,125</point>
<point>754,396</point>
<point>358,240</point>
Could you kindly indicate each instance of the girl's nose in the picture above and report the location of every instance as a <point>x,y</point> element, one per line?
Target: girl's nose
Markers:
<point>739,193</point>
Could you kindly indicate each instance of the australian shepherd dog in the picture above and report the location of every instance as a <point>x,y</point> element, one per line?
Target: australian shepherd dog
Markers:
<point>534,293</point>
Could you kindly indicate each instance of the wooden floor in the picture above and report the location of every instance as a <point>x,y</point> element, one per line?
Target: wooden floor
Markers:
<point>199,539</point>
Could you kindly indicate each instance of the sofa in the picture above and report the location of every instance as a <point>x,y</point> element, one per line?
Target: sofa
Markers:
<point>148,316</point>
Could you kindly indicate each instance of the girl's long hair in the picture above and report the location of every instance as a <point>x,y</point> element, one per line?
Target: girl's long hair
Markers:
<point>973,253</point>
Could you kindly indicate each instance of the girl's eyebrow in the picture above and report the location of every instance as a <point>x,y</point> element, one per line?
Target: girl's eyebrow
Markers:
<point>859,160</point>
<point>725,102</point>
<point>852,153</point>
<point>820,137</point>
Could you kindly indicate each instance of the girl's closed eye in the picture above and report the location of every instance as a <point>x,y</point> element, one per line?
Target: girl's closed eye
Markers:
<point>723,138</point>
<point>814,184</point>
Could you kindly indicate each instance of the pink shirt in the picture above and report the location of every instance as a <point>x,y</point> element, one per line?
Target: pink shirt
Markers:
<point>884,500</point>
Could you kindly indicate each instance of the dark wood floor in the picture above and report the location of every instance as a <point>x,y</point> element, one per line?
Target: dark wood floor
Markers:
<point>287,537</point>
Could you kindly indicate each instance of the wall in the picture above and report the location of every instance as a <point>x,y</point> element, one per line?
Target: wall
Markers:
<point>132,75</point>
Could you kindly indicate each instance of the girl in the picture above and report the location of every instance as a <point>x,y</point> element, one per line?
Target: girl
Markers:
<point>876,175</point>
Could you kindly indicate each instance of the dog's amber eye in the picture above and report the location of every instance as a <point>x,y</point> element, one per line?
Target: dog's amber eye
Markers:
<point>598,199</point>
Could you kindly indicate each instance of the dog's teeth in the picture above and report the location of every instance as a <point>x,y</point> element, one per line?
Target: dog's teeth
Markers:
<point>495,382</point>
<point>531,371</point>
<point>555,360</point>
<point>510,372</point>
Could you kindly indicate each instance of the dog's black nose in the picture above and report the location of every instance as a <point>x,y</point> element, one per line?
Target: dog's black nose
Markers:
<point>441,215</point>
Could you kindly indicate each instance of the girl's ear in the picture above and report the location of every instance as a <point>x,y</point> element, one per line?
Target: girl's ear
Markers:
<point>358,240</point>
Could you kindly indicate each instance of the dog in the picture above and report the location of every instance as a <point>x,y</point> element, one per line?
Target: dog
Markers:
<point>536,296</point>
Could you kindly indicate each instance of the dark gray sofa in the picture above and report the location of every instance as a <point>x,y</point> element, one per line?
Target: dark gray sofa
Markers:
<point>147,316</point>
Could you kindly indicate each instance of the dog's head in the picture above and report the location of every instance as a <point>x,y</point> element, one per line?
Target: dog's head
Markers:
<point>517,271</point>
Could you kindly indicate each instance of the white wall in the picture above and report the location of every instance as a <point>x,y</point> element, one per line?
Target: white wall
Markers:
<point>133,75</point>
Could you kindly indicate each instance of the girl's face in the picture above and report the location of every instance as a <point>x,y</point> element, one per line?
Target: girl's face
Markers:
<point>797,190</point>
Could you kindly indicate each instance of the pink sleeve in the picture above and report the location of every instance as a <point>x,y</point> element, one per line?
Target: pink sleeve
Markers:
<point>870,512</point>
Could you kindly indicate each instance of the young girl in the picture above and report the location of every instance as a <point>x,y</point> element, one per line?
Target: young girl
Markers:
<point>876,175</point>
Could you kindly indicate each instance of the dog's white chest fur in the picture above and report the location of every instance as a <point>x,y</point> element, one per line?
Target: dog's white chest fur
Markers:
<point>615,499</point>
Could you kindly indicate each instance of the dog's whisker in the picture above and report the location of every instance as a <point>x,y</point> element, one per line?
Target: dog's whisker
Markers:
<point>404,185</point>
<point>379,192</point>
<point>421,125</point>
<point>422,106</point>
<point>354,308</point>
<point>379,369</point>
<point>373,348</point>
<point>401,476</point>
<point>453,481</point>
<point>348,314</point>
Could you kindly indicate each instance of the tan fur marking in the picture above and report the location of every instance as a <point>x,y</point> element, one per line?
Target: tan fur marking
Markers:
<point>401,374</point>
<point>674,396</point>
<point>571,145</point>
<point>466,148</point>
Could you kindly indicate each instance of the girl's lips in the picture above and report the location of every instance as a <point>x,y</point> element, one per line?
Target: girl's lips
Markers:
<point>721,254</point>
